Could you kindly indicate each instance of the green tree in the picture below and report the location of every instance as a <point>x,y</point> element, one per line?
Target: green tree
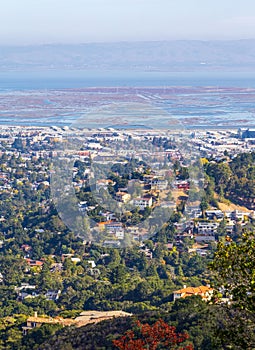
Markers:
<point>234,269</point>
<point>38,335</point>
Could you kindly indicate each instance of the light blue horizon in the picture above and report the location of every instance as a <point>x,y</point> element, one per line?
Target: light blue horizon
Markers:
<point>80,21</point>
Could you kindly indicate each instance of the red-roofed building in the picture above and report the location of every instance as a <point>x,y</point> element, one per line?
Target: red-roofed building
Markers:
<point>204,291</point>
<point>32,263</point>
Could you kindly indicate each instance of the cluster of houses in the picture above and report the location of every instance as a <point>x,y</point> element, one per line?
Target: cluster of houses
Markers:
<point>206,230</point>
<point>150,188</point>
<point>31,291</point>
<point>97,146</point>
<point>147,192</point>
<point>26,290</point>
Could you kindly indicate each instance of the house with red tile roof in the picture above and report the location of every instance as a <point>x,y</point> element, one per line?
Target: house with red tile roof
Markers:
<point>204,291</point>
<point>32,263</point>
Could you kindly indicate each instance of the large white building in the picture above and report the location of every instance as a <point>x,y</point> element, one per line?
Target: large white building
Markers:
<point>207,228</point>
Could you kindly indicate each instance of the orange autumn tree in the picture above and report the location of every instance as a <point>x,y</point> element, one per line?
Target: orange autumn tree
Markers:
<point>151,337</point>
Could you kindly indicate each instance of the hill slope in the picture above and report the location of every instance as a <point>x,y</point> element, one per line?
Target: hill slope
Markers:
<point>181,55</point>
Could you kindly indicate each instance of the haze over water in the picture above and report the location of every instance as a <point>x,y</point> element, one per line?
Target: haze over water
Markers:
<point>33,80</point>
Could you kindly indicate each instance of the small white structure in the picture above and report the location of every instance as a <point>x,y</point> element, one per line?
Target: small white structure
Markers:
<point>92,263</point>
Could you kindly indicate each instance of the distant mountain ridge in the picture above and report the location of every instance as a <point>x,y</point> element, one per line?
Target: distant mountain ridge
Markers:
<point>180,55</point>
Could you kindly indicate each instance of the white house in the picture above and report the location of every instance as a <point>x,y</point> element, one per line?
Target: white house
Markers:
<point>159,184</point>
<point>207,228</point>
<point>142,203</point>
<point>115,228</point>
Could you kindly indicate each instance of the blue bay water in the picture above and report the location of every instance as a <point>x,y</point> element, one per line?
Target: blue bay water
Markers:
<point>34,80</point>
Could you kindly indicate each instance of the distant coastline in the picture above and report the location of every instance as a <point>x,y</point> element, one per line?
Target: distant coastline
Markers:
<point>75,79</point>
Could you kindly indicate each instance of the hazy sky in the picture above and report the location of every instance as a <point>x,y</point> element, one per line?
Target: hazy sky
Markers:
<point>78,21</point>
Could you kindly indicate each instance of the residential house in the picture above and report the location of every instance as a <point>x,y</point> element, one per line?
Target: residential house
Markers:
<point>142,203</point>
<point>111,244</point>
<point>207,228</point>
<point>211,214</point>
<point>138,233</point>
<point>200,249</point>
<point>108,215</point>
<point>239,215</point>
<point>204,291</point>
<point>182,185</point>
<point>122,197</point>
<point>103,183</point>
<point>115,228</point>
<point>193,211</point>
<point>159,184</point>
<point>52,295</point>
<point>35,322</point>
<point>146,251</point>
<point>33,263</point>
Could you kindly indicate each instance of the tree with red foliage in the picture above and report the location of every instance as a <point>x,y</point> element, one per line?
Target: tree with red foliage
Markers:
<point>150,337</point>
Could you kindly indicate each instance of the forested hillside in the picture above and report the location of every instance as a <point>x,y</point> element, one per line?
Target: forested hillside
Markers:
<point>235,179</point>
